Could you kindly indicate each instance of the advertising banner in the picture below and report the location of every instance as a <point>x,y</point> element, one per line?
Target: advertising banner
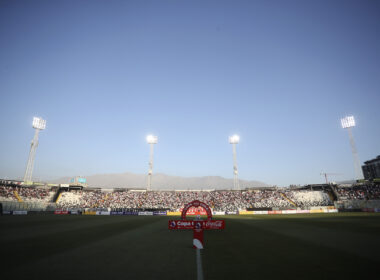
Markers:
<point>245,212</point>
<point>275,212</point>
<point>313,211</point>
<point>213,224</point>
<point>289,211</point>
<point>82,180</point>
<point>20,212</point>
<point>260,212</point>
<point>197,225</point>
<point>133,213</point>
<point>181,224</point>
<point>194,211</point>
<point>300,211</point>
<point>74,212</point>
<point>145,213</point>
<point>188,224</point>
<point>318,207</point>
<point>218,213</point>
<point>159,213</point>
<point>117,212</point>
<point>89,213</point>
<point>173,213</point>
<point>103,213</point>
<point>61,212</point>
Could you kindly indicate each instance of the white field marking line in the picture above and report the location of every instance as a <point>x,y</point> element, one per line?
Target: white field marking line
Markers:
<point>199,265</point>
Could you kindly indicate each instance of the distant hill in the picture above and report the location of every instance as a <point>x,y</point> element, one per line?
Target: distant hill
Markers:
<point>352,181</point>
<point>162,182</point>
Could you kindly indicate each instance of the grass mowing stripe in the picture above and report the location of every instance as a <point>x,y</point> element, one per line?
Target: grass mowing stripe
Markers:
<point>146,252</point>
<point>250,250</point>
<point>352,238</point>
<point>354,244</point>
<point>43,245</point>
<point>369,224</point>
<point>47,224</point>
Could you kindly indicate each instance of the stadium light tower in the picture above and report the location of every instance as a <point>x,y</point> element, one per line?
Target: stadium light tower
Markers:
<point>234,139</point>
<point>347,123</point>
<point>151,140</point>
<point>38,124</point>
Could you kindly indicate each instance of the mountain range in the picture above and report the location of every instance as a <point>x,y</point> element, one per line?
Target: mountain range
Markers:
<point>162,182</point>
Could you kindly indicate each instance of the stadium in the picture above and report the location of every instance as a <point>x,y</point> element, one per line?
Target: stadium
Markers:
<point>75,230</point>
<point>189,139</point>
<point>316,231</point>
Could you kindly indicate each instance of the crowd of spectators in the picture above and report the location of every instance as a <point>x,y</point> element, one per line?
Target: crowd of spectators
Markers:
<point>308,198</point>
<point>270,199</point>
<point>362,192</point>
<point>373,192</point>
<point>226,201</point>
<point>175,200</point>
<point>7,194</point>
<point>27,194</point>
<point>35,194</point>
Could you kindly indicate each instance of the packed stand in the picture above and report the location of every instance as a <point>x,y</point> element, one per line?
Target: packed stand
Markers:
<point>367,192</point>
<point>227,201</point>
<point>7,194</point>
<point>307,198</point>
<point>29,194</point>
<point>270,199</point>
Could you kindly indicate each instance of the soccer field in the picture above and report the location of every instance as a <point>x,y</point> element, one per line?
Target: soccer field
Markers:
<point>314,246</point>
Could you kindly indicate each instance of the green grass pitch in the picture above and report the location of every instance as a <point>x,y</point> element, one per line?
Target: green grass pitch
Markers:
<point>315,246</point>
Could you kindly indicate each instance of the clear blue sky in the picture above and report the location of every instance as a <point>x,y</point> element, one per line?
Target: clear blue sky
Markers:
<point>104,74</point>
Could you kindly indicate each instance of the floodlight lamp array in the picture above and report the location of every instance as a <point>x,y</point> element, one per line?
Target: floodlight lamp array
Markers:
<point>39,123</point>
<point>151,139</point>
<point>234,139</point>
<point>348,121</point>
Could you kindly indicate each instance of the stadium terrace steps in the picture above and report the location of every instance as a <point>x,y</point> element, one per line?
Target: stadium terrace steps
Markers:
<point>335,193</point>
<point>288,199</point>
<point>19,199</point>
<point>331,196</point>
<point>58,197</point>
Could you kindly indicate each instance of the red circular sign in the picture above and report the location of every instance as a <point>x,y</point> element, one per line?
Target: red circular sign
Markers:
<point>196,203</point>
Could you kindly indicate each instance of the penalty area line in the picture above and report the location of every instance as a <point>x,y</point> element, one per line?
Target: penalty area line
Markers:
<point>199,265</point>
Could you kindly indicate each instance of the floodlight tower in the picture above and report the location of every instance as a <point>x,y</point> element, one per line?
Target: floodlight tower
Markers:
<point>347,123</point>
<point>234,139</point>
<point>38,124</point>
<point>151,140</point>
